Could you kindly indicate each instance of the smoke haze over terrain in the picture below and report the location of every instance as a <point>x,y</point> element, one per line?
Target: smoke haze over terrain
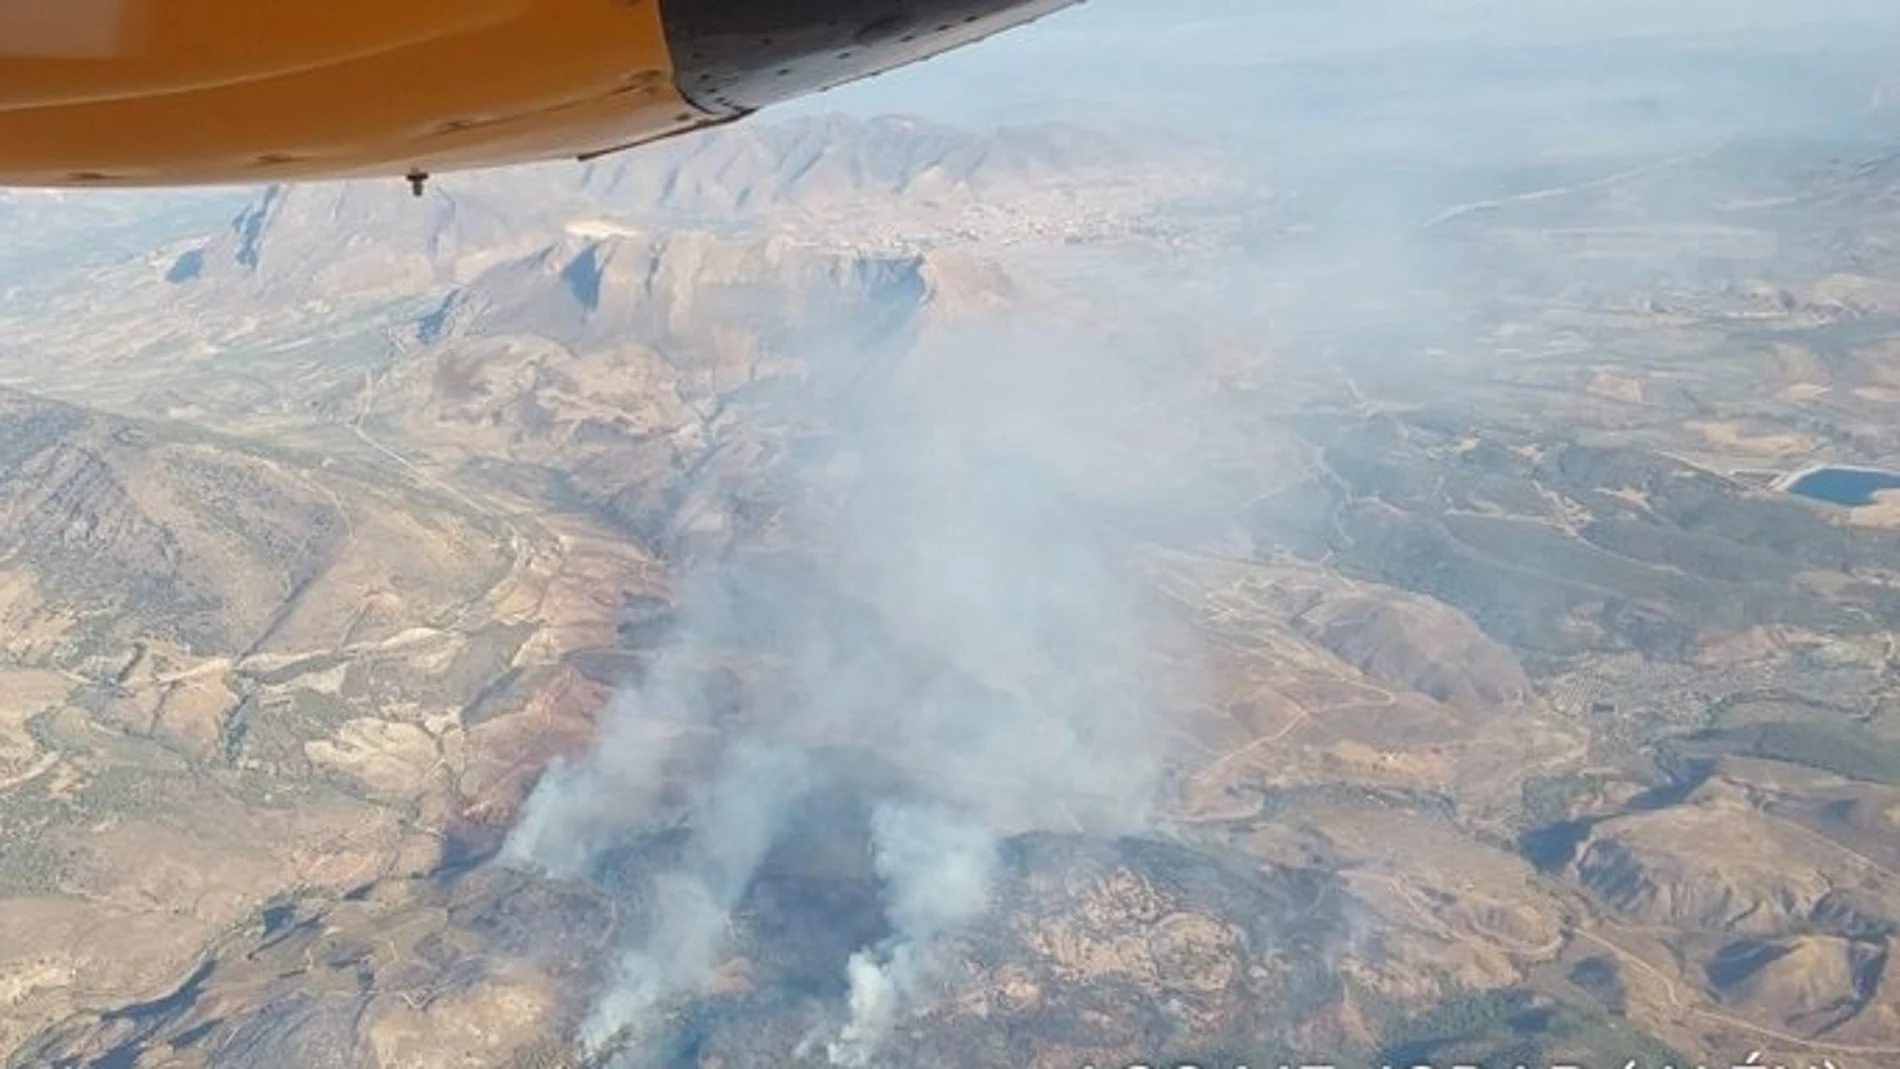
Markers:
<point>964,501</point>
<point>964,504</point>
<point>1266,537</point>
<point>1361,125</point>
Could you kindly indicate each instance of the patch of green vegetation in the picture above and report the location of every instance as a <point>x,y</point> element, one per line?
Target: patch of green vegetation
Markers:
<point>1540,547</point>
<point>1845,749</point>
<point>273,790</point>
<point>1280,804</point>
<point>1698,554</point>
<point>1523,607</point>
<point>486,658</point>
<point>30,865</point>
<point>1480,492</point>
<point>1452,1020</point>
<point>322,662</point>
<point>1375,471</point>
<point>231,733</point>
<point>1608,1039</point>
<point>1549,799</point>
<point>1733,709</point>
<point>1255,1056</point>
<point>62,730</point>
<point>315,714</point>
<point>542,1054</point>
<point>1701,556</point>
<point>270,733</point>
<point>127,790</point>
<point>504,696</point>
<point>1297,518</point>
<point>1603,979</point>
<point>1513,1026</point>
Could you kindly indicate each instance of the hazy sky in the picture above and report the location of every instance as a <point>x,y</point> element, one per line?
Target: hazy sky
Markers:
<point>1404,106</point>
<point>1206,63</point>
<point>1396,105</point>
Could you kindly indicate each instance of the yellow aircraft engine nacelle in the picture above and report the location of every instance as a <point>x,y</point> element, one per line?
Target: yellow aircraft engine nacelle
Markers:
<point>183,92</point>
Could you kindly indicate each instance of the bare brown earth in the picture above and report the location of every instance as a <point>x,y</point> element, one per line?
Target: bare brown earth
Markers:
<point>1505,707</point>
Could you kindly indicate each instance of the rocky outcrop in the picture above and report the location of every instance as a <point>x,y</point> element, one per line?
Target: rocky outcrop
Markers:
<point>365,240</point>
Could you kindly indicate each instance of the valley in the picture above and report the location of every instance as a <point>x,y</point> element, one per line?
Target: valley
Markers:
<point>422,618</point>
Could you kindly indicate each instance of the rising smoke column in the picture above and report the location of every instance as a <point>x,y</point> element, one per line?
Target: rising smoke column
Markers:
<point>957,499</point>
<point>938,868</point>
<point>692,905</point>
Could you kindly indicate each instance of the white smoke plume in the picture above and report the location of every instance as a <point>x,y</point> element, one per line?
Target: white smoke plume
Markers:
<point>979,498</point>
<point>738,818</point>
<point>964,502</point>
<point>938,869</point>
<point>577,809</point>
<point>875,1001</point>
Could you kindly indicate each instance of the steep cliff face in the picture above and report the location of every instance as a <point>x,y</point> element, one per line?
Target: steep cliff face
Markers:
<point>677,291</point>
<point>835,178</point>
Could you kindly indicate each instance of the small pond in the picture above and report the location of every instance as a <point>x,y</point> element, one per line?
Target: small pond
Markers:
<point>1851,487</point>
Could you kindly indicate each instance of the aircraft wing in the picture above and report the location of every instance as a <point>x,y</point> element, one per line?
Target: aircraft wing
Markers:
<point>175,92</point>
